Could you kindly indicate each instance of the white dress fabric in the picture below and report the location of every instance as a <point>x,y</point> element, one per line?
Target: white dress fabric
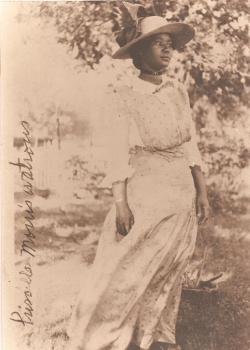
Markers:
<point>133,289</point>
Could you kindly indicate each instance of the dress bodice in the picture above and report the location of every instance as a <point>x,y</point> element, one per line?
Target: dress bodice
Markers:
<point>154,117</point>
<point>158,116</point>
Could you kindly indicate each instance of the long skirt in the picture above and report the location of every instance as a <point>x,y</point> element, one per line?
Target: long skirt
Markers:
<point>133,288</point>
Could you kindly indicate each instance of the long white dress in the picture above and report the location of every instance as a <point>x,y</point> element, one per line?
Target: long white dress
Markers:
<point>132,292</point>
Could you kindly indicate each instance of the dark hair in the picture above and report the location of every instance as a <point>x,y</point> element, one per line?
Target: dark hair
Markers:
<point>134,53</point>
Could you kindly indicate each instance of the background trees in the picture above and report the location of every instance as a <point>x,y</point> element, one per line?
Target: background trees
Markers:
<point>215,67</point>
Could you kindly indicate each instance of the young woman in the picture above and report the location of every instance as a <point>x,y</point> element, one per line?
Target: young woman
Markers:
<point>131,297</point>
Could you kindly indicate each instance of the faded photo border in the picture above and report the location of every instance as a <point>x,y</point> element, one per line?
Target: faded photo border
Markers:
<point>54,79</point>
<point>8,124</point>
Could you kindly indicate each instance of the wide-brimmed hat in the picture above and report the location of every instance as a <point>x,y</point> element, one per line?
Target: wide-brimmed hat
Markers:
<point>181,33</point>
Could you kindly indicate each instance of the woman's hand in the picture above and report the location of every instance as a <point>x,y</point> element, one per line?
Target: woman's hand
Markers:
<point>203,209</point>
<point>124,218</point>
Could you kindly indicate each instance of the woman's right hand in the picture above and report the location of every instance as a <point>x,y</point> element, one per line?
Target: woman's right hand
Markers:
<point>124,218</point>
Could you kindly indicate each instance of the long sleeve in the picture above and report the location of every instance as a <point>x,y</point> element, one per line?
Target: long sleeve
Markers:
<point>117,167</point>
<point>193,154</point>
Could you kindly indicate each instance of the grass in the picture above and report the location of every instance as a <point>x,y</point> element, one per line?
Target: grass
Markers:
<point>66,242</point>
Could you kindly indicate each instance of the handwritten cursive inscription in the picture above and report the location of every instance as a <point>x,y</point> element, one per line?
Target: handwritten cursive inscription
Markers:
<point>24,313</point>
<point>25,166</point>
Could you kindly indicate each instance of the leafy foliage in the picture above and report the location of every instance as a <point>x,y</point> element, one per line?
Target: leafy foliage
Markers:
<point>84,26</point>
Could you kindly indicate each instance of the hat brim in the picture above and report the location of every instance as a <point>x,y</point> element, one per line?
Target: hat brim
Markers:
<point>181,34</point>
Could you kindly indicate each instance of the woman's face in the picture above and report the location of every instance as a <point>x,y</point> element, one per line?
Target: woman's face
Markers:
<point>157,52</point>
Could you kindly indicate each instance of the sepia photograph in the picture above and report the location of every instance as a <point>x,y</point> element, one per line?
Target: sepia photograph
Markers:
<point>125,178</point>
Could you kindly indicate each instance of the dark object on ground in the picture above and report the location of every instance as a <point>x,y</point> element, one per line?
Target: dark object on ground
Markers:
<point>133,346</point>
<point>164,346</point>
<point>205,286</point>
<point>210,319</point>
<point>209,284</point>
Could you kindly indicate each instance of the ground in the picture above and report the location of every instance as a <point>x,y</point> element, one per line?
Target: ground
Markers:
<point>66,241</point>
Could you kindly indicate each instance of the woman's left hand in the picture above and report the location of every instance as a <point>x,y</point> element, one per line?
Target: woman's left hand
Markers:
<point>203,209</point>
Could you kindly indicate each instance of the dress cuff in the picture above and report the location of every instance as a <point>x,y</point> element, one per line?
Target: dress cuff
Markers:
<point>197,160</point>
<point>200,163</point>
<point>193,156</point>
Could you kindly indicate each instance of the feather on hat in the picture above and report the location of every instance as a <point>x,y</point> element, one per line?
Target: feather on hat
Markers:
<point>137,25</point>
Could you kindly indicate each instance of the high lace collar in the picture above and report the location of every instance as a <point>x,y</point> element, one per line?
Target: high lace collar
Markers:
<point>144,86</point>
